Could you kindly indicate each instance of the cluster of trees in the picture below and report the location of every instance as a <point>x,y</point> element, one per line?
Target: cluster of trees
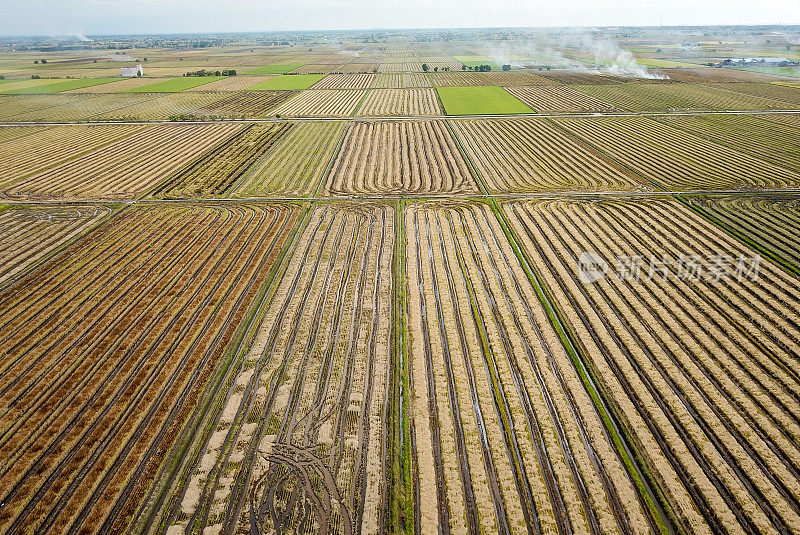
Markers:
<point>203,72</point>
<point>482,68</point>
<point>38,61</point>
<point>426,68</point>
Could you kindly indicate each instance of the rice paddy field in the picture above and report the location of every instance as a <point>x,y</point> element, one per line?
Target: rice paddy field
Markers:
<point>363,287</point>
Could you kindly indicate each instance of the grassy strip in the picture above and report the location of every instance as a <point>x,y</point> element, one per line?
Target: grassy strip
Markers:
<point>185,453</point>
<point>400,518</point>
<point>174,85</point>
<point>360,102</point>
<point>787,266</point>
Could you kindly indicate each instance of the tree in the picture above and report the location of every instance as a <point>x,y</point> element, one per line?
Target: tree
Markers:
<point>44,61</point>
<point>425,67</point>
<point>506,67</point>
<point>36,62</point>
<point>138,73</point>
<point>463,67</point>
<point>436,69</point>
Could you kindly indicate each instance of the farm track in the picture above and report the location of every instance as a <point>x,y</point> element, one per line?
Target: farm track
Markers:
<point>106,454</point>
<point>737,402</point>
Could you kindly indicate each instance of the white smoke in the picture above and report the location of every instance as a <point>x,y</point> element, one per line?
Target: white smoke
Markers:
<point>609,58</point>
<point>620,62</point>
<point>83,38</point>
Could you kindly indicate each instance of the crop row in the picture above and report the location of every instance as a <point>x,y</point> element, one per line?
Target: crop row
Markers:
<point>400,102</point>
<point>322,103</point>
<point>399,157</point>
<point>43,149</point>
<point>770,223</point>
<point>534,155</point>
<point>674,159</point>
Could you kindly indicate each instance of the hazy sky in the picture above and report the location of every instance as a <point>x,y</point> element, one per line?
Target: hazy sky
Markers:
<point>62,17</point>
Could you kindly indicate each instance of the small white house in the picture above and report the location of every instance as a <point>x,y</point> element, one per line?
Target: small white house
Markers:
<point>133,72</point>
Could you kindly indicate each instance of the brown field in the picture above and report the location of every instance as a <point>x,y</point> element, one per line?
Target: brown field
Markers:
<point>533,155</point>
<point>251,104</point>
<point>700,370</point>
<point>401,66</point>
<point>513,78</point>
<point>124,169</point>
<point>674,159</point>
<point>218,171</point>
<point>776,143</point>
<point>345,81</point>
<point>44,149</point>
<point>128,326</point>
<point>305,411</point>
<point>559,99</point>
<point>322,103</point>
<point>30,233</point>
<point>401,80</point>
<point>400,102</point>
<point>458,79</point>
<point>399,157</point>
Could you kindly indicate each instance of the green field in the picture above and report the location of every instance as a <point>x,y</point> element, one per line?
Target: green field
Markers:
<point>174,85</point>
<point>276,68</point>
<point>42,87</point>
<point>663,63</point>
<point>793,72</point>
<point>291,81</point>
<point>480,101</point>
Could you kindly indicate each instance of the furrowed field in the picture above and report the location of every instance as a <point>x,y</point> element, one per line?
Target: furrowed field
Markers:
<point>364,285</point>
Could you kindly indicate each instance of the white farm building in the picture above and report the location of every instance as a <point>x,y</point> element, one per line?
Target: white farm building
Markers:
<point>133,71</point>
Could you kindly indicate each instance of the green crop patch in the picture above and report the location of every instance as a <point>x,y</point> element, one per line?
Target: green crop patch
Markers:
<point>174,85</point>
<point>294,82</point>
<point>276,68</point>
<point>481,100</point>
<point>42,87</point>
